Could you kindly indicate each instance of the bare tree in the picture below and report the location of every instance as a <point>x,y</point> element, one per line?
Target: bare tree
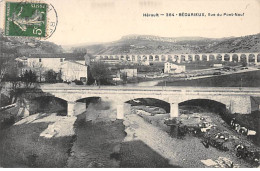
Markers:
<point>38,68</point>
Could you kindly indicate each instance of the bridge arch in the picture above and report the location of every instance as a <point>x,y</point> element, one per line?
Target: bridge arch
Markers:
<point>127,58</point>
<point>117,57</point>
<point>157,58</point>
<point>134,58</point>
<point>144,58</point>
<point>235,57</point>
<point>243,58</point>
<point>211,57</point>
<point>163,58</point>
<point>176,58</point>
<point>139,57</point>
<point>190,57</point>
<point>227,57</point>
<point>208,104</point>
<point>122,57</point>
<point>221,99</point>
<point>47,103</point>
<point>155,102</point>
<point>170,58</point>
<point>197,57</point>
<point>219,57</point>
<point>258,58</point>
<point>182,58</point>
<point>251,57</point>
<point>150,58</point>
<point>204,57</point>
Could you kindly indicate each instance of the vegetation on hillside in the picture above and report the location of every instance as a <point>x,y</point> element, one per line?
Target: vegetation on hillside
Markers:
<point>23,46</point>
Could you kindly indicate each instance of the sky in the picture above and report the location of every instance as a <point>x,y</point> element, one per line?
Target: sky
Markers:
<point>88,21</point>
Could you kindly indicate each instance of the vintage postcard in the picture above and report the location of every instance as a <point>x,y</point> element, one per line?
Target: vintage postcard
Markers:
<point>129,84</point>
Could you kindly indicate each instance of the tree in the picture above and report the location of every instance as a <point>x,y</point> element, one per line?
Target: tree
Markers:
<point>13,76</point>
<point>100,71</point>
<point>90,80</point>
<point>59,76</point>
<point>124,77</point>
<point>38,67</point>
<point>50,76</point>
<point>29,78</point>
<point>3,67</point>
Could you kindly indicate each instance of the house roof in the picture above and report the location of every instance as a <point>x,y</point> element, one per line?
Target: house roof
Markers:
<point>67,56</point>
<point>78,63</point>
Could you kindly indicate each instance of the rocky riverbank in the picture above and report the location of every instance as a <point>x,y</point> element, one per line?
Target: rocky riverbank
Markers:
<point>188,152</point>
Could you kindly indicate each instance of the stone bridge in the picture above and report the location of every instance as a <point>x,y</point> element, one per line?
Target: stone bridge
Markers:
<point>253,57</point>
<point>236,100</point>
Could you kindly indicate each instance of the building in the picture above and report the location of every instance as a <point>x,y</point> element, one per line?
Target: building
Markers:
<point>217,65</point>
<point>172,68</point>
<point>71,65</point>
<point>72,70</point>
<point>129,72</point>
<point>54,61</point>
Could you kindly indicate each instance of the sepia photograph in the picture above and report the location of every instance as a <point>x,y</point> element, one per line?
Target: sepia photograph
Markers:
<point>129,84</point>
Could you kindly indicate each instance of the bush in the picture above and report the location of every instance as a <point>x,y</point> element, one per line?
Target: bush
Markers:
<point>78,82</point>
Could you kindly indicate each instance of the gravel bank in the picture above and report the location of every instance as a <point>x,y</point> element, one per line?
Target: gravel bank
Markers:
<point>40,140</point>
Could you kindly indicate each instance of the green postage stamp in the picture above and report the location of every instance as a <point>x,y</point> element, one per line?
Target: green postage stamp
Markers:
<point>25,19</point>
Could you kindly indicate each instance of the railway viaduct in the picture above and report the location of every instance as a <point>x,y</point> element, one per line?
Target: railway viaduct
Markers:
<point>253,57</point>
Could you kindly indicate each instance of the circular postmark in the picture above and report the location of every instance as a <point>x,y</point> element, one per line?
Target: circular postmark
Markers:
<point>31,19</point>
<point>52,21</point>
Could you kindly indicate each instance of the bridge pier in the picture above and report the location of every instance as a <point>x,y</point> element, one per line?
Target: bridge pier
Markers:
<point>200,57</point>
<point>238,58</point>
<point>186,58</point>
<point>207,57</point>
<point>240,104</point>
<point>174,110</point>
<point>193,58</point>
<point>120,111</point>
<point>231,58</point>
<point>71,108</point>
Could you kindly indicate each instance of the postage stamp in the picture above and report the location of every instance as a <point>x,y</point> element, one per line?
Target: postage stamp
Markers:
<point>26,19</point>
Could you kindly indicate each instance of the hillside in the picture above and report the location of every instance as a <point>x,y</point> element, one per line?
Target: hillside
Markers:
<point>23,46</point>
<point>142,44</point>
<point>245,79</point>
